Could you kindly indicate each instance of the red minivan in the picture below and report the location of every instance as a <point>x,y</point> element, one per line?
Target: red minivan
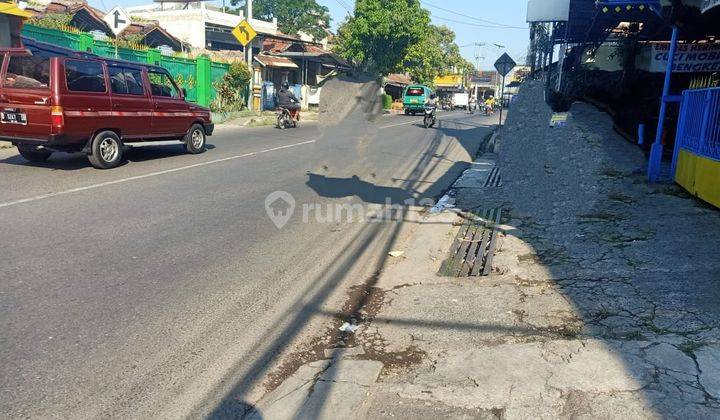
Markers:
<point>57,100</point>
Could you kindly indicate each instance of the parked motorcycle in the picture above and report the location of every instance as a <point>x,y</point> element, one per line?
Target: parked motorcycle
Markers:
<point>430,116</point>
<point>285,119</point>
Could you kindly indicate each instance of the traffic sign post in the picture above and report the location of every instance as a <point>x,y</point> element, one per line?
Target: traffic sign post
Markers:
<point>117,19</point>
<point>245,33</point>
<point>503,65</point>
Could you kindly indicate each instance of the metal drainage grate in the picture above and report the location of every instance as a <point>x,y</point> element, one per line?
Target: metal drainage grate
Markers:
<point>472,250</point>
<point>493,180</point>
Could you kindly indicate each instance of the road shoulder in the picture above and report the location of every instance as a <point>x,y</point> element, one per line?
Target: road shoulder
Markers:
<point>589,311</point>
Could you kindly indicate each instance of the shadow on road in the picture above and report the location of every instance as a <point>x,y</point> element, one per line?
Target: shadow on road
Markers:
<point>74,161</point>
<point>372,239</point>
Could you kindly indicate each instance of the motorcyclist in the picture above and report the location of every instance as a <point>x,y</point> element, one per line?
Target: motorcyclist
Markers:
<point>431,106</point>
<point>287,100</point>
<point>431,101</point>
<point>489,105</point>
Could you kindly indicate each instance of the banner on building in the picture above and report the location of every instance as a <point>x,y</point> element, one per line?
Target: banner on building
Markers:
<point>709,4</point>
<point>548,10</point>
<point>689,58</point>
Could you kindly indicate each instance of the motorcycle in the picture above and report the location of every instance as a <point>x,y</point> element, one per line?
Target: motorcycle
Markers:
<point>285,119</point>
<point>429,119</point>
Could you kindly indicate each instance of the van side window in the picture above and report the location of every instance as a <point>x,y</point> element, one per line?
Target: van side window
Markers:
<point>27,72</point>
<point>84,76</point>
<point>162,85</point>
<point>126,81</point>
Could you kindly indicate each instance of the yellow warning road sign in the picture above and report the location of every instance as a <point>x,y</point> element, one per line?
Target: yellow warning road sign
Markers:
<point>244,32</point>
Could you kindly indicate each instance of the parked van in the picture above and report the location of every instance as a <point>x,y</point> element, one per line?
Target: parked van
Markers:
<point>414,98</point>
<point>53,99</point>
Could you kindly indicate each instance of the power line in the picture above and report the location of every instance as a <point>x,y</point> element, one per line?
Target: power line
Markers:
<point>481,44</point>
<point>478,25</point>
<point>345,6</point>
<point>494,24</point>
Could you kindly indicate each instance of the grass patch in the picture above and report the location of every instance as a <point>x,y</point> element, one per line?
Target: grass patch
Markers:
<point>612,173</point>
<point>603,313</point>
<point>621,198</point>
<point>688,347</point>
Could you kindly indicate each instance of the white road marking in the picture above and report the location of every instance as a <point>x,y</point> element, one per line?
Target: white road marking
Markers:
<point>151,174</point>
<point>402,123</point>
<point>440,117</point>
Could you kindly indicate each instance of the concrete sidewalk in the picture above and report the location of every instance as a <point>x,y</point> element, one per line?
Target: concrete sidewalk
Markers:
<point>603,300</point>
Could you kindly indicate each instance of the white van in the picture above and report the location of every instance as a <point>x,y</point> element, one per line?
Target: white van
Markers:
<point>461,100</point>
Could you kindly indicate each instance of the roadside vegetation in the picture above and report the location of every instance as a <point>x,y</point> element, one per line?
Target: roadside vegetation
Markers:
<point>395,36</point>
<point>293,16</point>
<point>231,90</point>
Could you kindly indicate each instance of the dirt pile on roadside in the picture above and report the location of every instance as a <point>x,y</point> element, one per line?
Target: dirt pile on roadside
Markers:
<point>345,98</point>
<point>347,105</point>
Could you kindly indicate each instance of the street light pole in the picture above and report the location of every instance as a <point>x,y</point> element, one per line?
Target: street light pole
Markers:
<point>248,55</point>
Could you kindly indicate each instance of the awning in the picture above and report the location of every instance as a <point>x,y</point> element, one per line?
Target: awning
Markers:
<point>12,9</point>
<point>592,22</point>
<point>449,80</point>
<point>274,61</point>
<point>322,57</point>
<point>709,4</point>
<point>399,80</point>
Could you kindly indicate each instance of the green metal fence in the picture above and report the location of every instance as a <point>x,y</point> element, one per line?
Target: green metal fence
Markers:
<point>103,49</point>
<point>185,73</point>
<point>217,71</point>
<point>196,76</point>
<point>52,36</point>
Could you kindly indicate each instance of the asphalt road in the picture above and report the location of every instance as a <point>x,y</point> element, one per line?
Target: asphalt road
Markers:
<point>162,288</point>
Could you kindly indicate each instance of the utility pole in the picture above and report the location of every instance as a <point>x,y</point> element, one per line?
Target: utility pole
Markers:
<point>249,54</point>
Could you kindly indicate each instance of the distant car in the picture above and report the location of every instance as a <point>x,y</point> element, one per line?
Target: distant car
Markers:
<point>73,102</point>
<point>414,99</point>
<point>461,100</point>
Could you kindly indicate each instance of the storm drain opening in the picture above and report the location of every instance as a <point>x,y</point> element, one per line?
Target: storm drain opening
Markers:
<point>493,180</point>
<point>472,250</point>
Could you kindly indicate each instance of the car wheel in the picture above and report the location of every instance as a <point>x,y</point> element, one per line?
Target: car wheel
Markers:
<point>106,151</point>
<point>195,139</point>
<point>33,154</point>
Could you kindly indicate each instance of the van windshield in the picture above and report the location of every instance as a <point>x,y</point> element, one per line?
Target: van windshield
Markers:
<point>28,72</point>
<point>415,92</point>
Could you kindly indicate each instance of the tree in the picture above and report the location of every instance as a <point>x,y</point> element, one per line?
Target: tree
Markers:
<point>381,33</point>
<point>293,16</point>
<point>435,54</point>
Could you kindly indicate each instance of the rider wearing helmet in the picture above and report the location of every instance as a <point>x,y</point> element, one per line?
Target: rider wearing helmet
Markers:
<point>287,100</point>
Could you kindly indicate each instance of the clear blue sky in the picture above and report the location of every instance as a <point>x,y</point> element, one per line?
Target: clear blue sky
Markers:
<point>468,18</point>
